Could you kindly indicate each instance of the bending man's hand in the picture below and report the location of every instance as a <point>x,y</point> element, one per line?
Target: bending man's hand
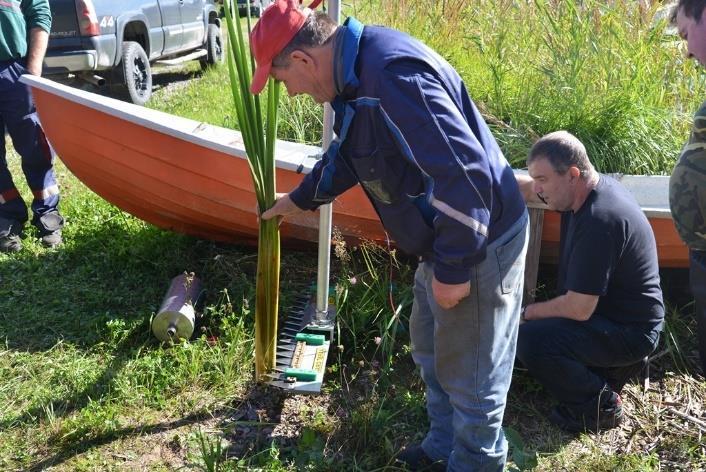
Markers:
<point>449,295</point>
<point>284,206</point>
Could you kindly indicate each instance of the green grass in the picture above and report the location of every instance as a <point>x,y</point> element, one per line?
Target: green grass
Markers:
<point>79,365</point>
<point>85,386</point>
<point>209,100</point>
<point>601,70</point>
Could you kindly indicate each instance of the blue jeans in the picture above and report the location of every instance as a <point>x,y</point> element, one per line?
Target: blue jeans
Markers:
<point>466,355</point>
<point>697,276</point>
<point>18,115</point>
<point>566,356</point>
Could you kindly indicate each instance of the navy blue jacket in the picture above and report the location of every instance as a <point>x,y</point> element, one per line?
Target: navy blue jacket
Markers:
<point>410,135</point>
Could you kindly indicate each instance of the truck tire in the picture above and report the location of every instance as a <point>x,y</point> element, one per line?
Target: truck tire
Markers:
<point>214,47</point>
<point>135,74</point>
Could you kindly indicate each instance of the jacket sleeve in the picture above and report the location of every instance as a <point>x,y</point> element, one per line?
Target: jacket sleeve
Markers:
<point>435,135</point>
<point>37,14</point>
<point>329,178</point>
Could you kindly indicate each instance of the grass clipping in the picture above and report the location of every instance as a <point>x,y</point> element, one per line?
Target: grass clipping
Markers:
<point>259,135</point>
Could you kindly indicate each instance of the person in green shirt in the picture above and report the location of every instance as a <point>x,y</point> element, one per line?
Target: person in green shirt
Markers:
<point>24,34</point>
<point>687,185</point>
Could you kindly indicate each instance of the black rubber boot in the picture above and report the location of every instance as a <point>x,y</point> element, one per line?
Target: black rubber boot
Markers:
<point>49,226</point>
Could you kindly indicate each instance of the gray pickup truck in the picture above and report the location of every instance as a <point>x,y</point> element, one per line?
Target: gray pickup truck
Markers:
<point>114,42</point>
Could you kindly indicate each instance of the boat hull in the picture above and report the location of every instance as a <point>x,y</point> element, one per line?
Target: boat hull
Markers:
<point>176,183</point>
<point>193,178</point>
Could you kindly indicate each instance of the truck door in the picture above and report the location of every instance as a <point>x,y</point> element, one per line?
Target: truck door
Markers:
<point>192,20</point>
<point>171,25</point>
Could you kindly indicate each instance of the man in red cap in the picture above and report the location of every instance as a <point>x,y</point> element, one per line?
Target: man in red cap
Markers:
<point>408,132</point>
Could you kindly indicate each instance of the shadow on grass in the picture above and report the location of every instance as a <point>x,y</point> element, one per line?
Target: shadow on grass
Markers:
<point>259,408</point>
<point>163,77</point>
<point>97,293</point>
<point>527,408</point>
<point>70,294</point>
<point>65,405</point>
<point>77,294</point>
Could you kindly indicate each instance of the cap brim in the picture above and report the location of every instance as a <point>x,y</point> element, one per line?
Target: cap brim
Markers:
<point>259,80</point>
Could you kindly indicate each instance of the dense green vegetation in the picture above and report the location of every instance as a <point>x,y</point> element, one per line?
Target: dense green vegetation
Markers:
<point>605,71</point>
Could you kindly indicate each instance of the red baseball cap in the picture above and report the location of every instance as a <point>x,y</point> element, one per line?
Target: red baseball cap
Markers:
<point>279,23</point>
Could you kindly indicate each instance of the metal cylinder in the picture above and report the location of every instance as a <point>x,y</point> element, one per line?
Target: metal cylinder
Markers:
<point>94,79</point>
<point>321,316</point>
<point>176,317</point>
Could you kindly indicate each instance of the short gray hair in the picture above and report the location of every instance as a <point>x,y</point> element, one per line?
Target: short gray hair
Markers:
<point>317,30</point>
<point>563,150</point>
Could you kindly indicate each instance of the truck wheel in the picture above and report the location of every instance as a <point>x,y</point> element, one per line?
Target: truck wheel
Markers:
<point>135,73</point>
<point>214,47</point>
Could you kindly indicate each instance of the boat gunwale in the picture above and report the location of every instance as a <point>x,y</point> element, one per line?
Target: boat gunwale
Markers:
<point>295,157</point>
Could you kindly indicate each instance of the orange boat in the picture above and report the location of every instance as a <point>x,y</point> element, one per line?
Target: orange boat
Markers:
<point>180,174</point>
<point>193,178</point>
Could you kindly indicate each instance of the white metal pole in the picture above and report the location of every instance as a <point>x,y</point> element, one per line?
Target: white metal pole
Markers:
<point>325,211</point>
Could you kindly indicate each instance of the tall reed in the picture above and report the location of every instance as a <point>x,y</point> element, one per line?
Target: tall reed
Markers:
<point>259,135</point>
<point>606,71</point>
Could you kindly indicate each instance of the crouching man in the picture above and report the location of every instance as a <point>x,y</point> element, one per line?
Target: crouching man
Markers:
<point>584,344</point>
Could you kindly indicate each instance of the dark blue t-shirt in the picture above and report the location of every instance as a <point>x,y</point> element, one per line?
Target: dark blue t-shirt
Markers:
<point>608,249</point>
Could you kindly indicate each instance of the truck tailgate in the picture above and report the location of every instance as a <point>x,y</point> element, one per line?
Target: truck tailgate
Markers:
<point>64,26</point>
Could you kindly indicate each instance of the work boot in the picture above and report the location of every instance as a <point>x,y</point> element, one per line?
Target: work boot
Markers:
<point>49,226</point>
<point>10,235</point>
<point>609,416</point>
<point>414,458</point>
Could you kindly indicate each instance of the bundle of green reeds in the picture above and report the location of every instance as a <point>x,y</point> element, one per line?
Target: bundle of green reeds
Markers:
<point>259,134</point>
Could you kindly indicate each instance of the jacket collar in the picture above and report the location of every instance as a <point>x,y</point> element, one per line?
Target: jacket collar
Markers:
<point>346,48</point>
